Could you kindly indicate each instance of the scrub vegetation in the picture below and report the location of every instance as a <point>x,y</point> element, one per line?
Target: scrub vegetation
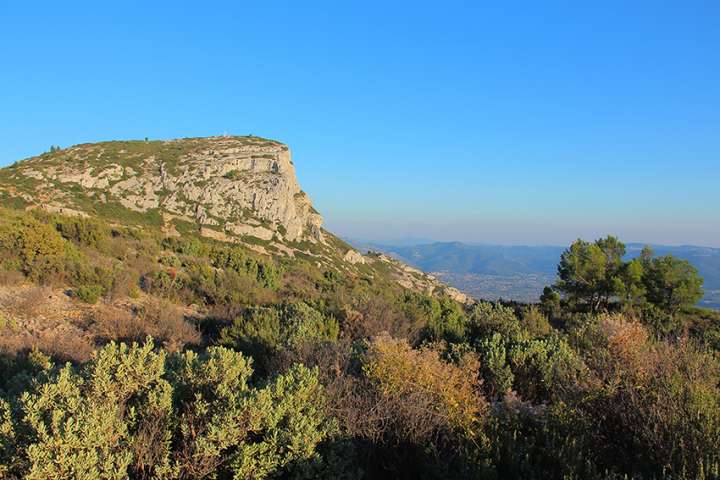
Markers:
<point>135,347</point>
<point>201,359</point>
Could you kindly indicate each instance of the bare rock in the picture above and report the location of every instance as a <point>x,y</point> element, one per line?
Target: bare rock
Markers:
<point>246,185</point>
<point>354,257</point>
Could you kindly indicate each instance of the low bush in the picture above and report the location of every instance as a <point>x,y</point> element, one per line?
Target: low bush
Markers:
<point>157,318</point>
<point>89,293</point>
<point>89,232</point>
<point>133,412</point>
<point>263,332</point>
<point>39,249</point>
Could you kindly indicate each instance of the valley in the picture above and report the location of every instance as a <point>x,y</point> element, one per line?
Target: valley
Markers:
<point>520,273</point>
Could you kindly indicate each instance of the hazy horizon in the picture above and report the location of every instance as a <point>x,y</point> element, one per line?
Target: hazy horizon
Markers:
<point>415,241</point>
<point>533,125</point>
<point>418,237</point>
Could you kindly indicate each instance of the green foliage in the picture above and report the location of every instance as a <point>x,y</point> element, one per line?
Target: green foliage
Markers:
<point>133,412</point>
<point>286,427</point>
<point>497,374</point>
<point>39,248</point>
<point>703,324</point>
<point>550,302</point>
<point>84,423</point>
<point>7,439</point>
<point>93,279</point>
<point>237,260</point>
<point>585,272</point>
<point>164,282</point>
<point>88,232</point>
<point>593,277</point>
<point>629,285</point>
<point>89,293</point>
<point>444,318</point>
<point>671,283</point>
<point>187,245</point>
<point>487,318</point>
<point>535,322</point>
<point>543,368</point>
<point>542,442</point>
<point>233,175</point>
<point>214,274</point>
<point>261,331</point>
<point>252,432</point>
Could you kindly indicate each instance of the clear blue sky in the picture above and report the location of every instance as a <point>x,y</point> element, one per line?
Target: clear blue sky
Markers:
<point>503,122</point>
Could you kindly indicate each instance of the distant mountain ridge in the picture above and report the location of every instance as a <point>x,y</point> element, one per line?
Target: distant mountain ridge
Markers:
<point>520,272</point>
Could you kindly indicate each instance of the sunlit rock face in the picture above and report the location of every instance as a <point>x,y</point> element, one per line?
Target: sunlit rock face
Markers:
<point>239,186</point>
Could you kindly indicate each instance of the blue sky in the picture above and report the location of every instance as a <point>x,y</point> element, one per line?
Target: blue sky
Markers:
<point>504,122</point>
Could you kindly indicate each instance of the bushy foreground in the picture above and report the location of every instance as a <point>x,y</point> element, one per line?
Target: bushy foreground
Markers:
<point>133,411</point>
<point>607,401</point>
<point>263,367</point>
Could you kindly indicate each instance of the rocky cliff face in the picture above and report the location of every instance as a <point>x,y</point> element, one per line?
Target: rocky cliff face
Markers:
<point>234,186</point>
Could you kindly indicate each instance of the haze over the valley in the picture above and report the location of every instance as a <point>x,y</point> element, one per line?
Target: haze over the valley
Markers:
<point>520,272</point>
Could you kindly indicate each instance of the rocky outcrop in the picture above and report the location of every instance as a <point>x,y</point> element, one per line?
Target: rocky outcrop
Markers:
<point>354,257</point>
<point>240,186</point>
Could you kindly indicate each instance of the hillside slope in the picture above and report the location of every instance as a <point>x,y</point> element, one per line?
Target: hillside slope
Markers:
<point>235,190</point>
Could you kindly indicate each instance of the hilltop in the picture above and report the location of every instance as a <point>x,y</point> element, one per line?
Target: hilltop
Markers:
<point>234,186</point>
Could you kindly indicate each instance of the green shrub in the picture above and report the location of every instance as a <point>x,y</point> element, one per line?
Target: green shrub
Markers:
<point>86,422</point>
<point>187,245</point>
<point>81,270</point>
<point>166,283</point>
<point>445,320</point>
<point>224,287</point>
<point>8,452</point>
<point>89,293</point>
<point>264,331</point>
<point>535,322</point>
<point>170,261</point>
<point>537,442</point>
<point>135,413</point>
<point>233,175</point>
<point>236,259</point>
<point>497,375</point>
<point>89,232</point>
<point>39,248</point>
<point>544,369</point>
<point>488,318</point>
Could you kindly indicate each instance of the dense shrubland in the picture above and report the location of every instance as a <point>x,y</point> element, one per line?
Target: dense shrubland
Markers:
<point>204,360</point>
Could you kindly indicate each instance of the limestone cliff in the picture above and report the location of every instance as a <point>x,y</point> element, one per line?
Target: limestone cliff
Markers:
<point>234,186</point>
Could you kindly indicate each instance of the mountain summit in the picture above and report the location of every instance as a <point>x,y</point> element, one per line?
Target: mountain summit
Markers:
<point>228,186</point>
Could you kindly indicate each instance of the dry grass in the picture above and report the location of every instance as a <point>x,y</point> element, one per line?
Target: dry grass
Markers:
<point>11,277</point>
<point>62,344</point>
<point>30,323</point>
<point>160,319</point>
<point>28,303</point>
